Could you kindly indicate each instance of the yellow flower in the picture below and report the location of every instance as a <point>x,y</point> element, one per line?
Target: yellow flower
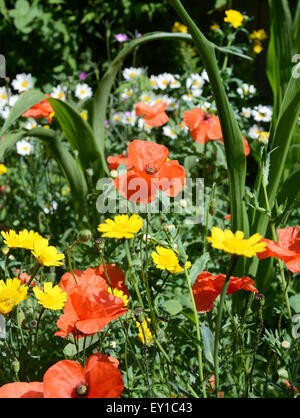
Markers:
<point>259,35</point>
<point>215,27</point>
<point>3,169</point>
<point>235,243</point>
<point>45,254</point>
<point>121,227</point>
<point>166,259</point>
<point>118,294</point>
<point>234,17</point>
<point>179,27</point>
<point>46,127</point>
<point>11,238</point>
<point>28,238</point>
<point>84,115</point>
<point>257,47</point>
<point>11,294</point>
<point>51,297</point>
<point>144,331</point>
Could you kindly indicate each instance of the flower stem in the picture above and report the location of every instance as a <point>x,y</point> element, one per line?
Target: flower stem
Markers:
<point>34,273</point>
<point>199,350</point>
<point>231,267</point>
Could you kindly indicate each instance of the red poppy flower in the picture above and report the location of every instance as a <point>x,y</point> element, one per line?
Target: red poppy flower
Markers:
<point>246,146</point>
<point>153,115</point>
<point>24,278</point>
<point>42,109</point>
<point>89,307</point>
<point>100,378</point>
<point>207,287</point>
<point>22,390</point>
<point>228,217</point>
<point>151,171</point>
<point>203,126</point>
<point>211,386</point>
<point>287,248</point>
<point>115,160</point>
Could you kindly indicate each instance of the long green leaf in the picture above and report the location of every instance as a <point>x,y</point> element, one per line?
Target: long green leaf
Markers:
<point>25,102</point>
<point>233,142</point>
<point>10,140</point>
<point>80,136</point>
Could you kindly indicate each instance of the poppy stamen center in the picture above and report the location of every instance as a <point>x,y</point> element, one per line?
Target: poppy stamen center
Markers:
<point>82,390</point>
<point>150,169</point>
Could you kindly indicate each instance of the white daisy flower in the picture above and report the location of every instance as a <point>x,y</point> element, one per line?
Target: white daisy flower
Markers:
<point>175,84</point>
<point>129,118</point>
<point>59,92</point>
<point>24,147</point>
<point>246,90</point>
<point>161,98</point>
<point>206,106</point>
<point>164,80</point>
<point>12,99</point>
<point>117,118</point>
<point>204,76</point>
<point>50,208</point>
<point>188,97</point>
<point>4,96</point>
<point>83,91</point>
<point>246,112</point>
<point>168,131</point>
<point>31,123</point>
<point>4,112</point>
<point>131,73</point>
<point>153,82</point>
<point>147,98</point>
<point>182,127</point>
<point>262,113</point>
<point>255,131</point>
<point>22,82</point>
<point>172,103</point>
<point>126,94</point>
<point>142,125</point>
<point>195,82</point>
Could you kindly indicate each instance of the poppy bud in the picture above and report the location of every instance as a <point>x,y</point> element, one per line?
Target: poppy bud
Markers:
<point>100,242</point>
<point>260,298</point>
<point>285,344</point>
<point>213,207</point>
<point>84,235</point>
<point>89,172</point>
<point>15,366</point>
<point>137,311</point>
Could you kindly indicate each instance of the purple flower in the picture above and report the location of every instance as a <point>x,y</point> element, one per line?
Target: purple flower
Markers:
<point>120,37</point>
<point>83,75</point>
<point>138,35</point>
<point>106,123</point>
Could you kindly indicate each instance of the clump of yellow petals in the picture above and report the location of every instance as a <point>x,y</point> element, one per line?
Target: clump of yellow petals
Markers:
<point>122,226</point>
<point>50,297</point>
<point>179,27</point>
<point>166,259</point>
<point>234,243</point>
<point>145,335</point>
<point>257,47</point>
<point>11,294</point>
<point>11,238</point>
<point>118,294</point>
<point>24,239</point>
<point>234,17</point>
<point>3,169</point>
<point>259,35</point>
<point>45,254</point>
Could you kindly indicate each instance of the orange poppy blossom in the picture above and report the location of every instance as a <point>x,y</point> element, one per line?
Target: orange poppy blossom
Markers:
<point>42,109</point>
<point>25,278</point>
<point>153,115</point>
<point>151,170</point>
<point>89,306</point>
<point>203,126</point>
<point>207,287</point>
<point>115,160</point>
<point>22,390</point>
<point>287,248</point>
<point>100,378</point>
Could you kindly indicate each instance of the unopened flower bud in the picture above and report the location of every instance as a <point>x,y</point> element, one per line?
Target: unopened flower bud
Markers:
<point>169,227</point>
<point>15,366</point>
<point>90,172</point>
<point>84,235</point>
<point>213,207</point>
<point>183,203</point>
<point>100,242</point>
<point>260,298</point>
<point>285,344</point>
<point>137,312</point>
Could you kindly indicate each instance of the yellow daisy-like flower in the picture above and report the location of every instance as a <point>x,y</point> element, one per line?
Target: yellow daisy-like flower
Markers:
<point>257,47</point>
<point>259,35</point>
<point>119,294</point>
<point>214,27</point>
<point>11,238</point>
<point>166,259</point>
<point>84,115</point>
<point>50,297</point>
<point>179,27</point>
<point>45,254</point>
<point>3,169</point>
<point>28,238</point>
<point>234,17</point>
<point>122,226</point>
<point>145,334</point>
<point>235,243</point>
<point>11,294</point>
